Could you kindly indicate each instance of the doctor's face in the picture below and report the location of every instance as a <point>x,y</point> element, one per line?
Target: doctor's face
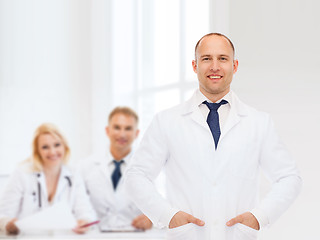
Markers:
<point>122,131</point>
<point>51,150</point>
<point>214,66</point>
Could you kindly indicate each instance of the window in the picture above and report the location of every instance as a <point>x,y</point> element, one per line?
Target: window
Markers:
<point>157,72</point>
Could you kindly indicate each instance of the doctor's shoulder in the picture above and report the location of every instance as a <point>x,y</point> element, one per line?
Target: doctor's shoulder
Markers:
<point>168,116</point>
<point>256,115</point>
<point>87,166</point>
<point>21,176</point>
<point>25,168</point>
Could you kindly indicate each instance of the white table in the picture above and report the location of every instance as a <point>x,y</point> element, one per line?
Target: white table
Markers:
<point>153,234</point>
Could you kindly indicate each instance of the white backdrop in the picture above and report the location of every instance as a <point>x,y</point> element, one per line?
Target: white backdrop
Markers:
<point>62,51</point>
<point>278,49</point>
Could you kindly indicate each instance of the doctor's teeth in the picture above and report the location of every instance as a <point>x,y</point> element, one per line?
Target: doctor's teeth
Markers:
<point>214,77</point>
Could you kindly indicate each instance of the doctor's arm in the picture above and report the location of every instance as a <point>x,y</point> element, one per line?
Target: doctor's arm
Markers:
<point>10,202</point>
<point>142,222</point>
<point>82,207</point>
<point>11,227</point>
<point>281,170</point>
<point>145,166</point>
<point>247,219</point>
<point>182,218</point>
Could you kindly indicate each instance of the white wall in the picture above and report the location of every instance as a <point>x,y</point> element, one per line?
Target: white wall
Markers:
<point>45,73</point>
<point>278,48</point>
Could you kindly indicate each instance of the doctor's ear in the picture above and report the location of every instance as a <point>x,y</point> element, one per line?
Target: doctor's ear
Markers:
<point>194,65</point>
<point>107,130</point>
<point>137,133</point>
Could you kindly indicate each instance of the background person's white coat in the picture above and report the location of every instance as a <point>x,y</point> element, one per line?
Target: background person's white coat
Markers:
<point>23,196</point>
<point>115,209</point>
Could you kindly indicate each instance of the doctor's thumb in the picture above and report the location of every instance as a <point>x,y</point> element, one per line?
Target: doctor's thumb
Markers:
<point>196,221</point>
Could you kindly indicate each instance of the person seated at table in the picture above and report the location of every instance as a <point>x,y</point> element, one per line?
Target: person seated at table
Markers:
<point>103,175</point>
<point>43,180</point>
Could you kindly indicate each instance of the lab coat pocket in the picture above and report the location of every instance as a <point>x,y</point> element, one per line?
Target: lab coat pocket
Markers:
<point>184,232</point>
<point>243,232</point>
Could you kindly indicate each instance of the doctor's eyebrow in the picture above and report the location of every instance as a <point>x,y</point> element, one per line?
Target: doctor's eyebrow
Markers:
<point>205,56</point>
<point>219,56</point>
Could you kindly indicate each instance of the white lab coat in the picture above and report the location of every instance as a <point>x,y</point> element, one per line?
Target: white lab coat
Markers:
<point>114,208</point>
<point>21,197</point>
<point>213,185</point>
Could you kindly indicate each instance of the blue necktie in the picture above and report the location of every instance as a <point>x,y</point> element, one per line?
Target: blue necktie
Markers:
<point>116,175</point>
<point>213,120</point>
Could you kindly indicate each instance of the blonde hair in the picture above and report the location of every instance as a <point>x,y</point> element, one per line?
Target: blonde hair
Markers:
<point>47,128</point>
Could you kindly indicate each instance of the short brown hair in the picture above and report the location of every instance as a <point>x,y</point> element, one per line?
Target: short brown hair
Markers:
<point>125,111</point>
<point>47,128</point>
<point>213,34</point>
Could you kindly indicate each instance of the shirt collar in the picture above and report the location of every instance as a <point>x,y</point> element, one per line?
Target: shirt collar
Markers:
<point>200,98</point>
<point>65,172</point>
<point>110,158</point>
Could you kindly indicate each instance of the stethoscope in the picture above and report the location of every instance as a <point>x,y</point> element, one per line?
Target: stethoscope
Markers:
<point>39,189</point>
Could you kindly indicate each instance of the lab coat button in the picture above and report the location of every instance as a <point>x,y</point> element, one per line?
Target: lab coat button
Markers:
<point>214,184</point>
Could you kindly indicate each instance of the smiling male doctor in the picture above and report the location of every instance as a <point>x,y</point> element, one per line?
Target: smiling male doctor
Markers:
<point>103,175</point>
<point>212,148</point>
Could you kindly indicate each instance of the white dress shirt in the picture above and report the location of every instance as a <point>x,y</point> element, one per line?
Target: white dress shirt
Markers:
<point>223,110</point>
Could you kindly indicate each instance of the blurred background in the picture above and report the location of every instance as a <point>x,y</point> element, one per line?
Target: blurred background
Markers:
<point>71,62</point>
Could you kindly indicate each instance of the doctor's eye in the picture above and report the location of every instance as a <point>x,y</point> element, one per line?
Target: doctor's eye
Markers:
<point>57,145</point>
<point>129,128</point>
<point>116,127</point>
<point>44,147</point>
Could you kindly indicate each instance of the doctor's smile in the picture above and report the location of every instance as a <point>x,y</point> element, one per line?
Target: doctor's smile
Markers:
<point>215,77</point>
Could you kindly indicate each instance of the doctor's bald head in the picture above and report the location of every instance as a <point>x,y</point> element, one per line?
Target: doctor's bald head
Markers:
<point>213,34</point>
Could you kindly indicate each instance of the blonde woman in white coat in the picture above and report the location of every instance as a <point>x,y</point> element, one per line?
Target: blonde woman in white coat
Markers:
<point>42,180</point>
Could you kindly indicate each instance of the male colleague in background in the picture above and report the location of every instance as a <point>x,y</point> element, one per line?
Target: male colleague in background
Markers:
<point>103,175</point>
<point>212,148</point>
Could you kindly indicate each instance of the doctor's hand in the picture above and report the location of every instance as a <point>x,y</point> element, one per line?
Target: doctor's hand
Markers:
<point>247,219</point>
<point>11,227</point>
<point>182,218</point>
<point>142,222</point>
<point>81,230</point>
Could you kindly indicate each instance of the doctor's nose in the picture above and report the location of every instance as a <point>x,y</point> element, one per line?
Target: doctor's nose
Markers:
<point>215,66</point>
<point>122,132</point>
<point>52,150</point>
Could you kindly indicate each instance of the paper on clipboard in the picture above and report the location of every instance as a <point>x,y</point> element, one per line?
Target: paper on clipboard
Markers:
<point>119,229</point>
<point>55,217</point>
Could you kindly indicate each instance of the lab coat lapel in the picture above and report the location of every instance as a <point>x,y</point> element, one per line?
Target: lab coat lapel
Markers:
<point>197,116</point>
<point>105,178</point>
<point>191,108</point>
<point>104,171</point>
<point>237,111</point>
<point>233,119</point>
<point>63,183</point>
